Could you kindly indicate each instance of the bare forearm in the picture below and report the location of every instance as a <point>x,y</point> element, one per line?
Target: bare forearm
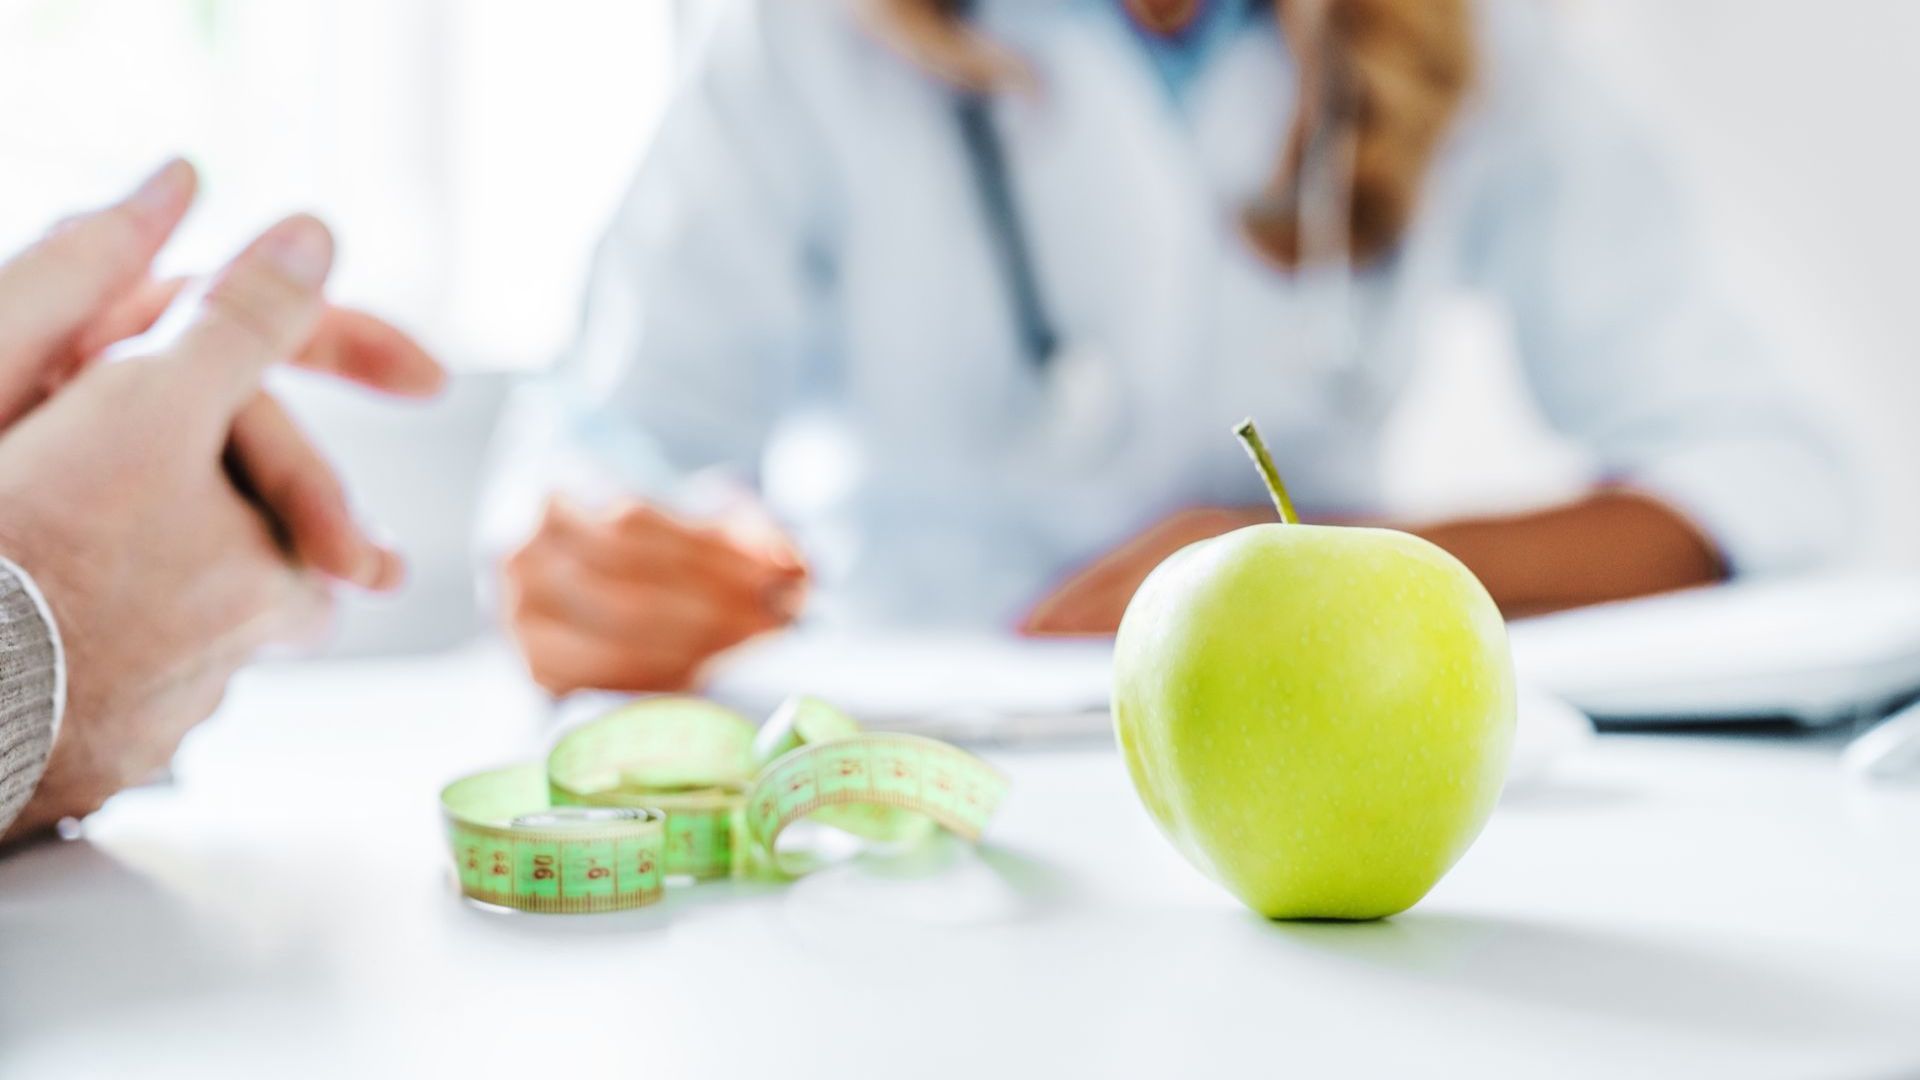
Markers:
<point>1609,545</point>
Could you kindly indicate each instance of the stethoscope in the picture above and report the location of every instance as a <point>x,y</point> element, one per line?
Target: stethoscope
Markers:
<point>1006,230</point>
<point>1080,409</point>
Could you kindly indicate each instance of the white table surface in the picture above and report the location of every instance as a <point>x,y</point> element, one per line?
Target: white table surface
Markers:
<point>1668,906</point>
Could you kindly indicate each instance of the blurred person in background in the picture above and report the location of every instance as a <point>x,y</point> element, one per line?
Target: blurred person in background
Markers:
<point>968,292</point>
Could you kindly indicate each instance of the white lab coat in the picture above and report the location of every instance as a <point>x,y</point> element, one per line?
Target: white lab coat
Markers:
<point>800,288</point>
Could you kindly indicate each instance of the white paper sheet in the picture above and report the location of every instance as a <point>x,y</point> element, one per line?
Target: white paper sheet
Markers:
<point>954,684</point>
<point>983,688</point>
<point>1815,649</point>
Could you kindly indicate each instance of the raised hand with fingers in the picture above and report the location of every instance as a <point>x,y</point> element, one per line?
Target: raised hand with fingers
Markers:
<point>87,286</point>
<point>118,478</point>
<point>84,286</point>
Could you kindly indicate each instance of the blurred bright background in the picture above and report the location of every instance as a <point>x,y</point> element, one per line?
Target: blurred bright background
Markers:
<point>469,151</point>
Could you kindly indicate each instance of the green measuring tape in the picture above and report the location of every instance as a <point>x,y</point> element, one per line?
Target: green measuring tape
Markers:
<point>682,788</point>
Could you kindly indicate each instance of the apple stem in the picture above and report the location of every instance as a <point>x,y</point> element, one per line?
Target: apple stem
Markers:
<point>1263,460</point>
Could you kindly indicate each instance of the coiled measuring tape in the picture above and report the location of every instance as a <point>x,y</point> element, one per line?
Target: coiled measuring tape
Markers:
<point>682,788</point>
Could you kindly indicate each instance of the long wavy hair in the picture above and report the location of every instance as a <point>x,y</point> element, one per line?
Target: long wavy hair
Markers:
<point>1380,82</point>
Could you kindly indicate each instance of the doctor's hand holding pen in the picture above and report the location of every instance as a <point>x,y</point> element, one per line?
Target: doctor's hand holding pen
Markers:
<point>635,597</point>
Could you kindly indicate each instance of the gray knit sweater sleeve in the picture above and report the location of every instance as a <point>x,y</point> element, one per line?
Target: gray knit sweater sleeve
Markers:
<point>33,688</point>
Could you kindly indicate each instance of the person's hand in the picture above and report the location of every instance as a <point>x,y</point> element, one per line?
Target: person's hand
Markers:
<point>1092,601</point>
<point>162,577</point>
<point>634,598</point>
<point>87,286</point>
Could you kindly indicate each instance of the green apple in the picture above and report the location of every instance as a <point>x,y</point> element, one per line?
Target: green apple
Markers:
<point>1319,718</point>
